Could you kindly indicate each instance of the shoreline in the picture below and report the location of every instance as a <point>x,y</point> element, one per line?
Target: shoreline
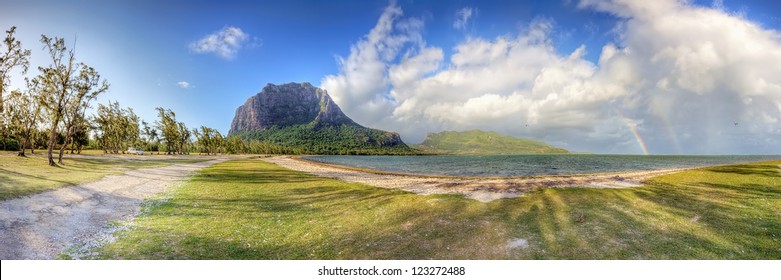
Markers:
<point>477,188</point>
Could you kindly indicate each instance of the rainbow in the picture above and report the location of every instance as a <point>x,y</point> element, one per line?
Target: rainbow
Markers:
<point>633,128</point>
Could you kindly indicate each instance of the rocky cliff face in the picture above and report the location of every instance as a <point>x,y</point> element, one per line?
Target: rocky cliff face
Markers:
<point>295,104</point>
<point>285,105</point>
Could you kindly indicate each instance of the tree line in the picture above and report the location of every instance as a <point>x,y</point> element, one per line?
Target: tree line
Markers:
<point>51,110</point>
<point>50,113</point>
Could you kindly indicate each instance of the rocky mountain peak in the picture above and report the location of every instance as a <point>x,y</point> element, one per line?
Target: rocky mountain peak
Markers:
<point>288,104</point>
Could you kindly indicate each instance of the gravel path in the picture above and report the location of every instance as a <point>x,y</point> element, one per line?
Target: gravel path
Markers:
<point>41,226</point>
<point>484,190</point>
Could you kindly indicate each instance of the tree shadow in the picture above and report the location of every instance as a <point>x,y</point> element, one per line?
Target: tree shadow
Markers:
<point>768,170</point>
<point>304,217</point>
<point>19,174</point>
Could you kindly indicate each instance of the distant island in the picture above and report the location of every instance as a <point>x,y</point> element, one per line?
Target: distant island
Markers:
<point>482,142</point>
<point>303,119</point>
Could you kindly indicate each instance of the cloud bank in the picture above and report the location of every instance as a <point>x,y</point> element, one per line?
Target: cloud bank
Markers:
<point>224,43</point>
<point>678,78</point>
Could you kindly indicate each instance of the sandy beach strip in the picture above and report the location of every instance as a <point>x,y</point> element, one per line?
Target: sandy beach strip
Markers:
<point>481,189</point>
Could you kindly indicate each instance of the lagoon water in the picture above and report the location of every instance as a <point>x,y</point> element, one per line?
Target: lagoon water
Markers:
<point>529,165</point>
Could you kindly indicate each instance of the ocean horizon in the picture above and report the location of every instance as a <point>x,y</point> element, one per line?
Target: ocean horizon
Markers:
<point>531,164</point>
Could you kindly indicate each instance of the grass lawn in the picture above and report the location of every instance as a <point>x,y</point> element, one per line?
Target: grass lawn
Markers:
<point>249,209</point>
<point>20,176</point>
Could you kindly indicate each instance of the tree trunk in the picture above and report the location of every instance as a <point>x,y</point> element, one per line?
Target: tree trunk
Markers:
<point>62,149</point>
<point>1,95</point>
<point>53,138</point>
<point>22,146</point>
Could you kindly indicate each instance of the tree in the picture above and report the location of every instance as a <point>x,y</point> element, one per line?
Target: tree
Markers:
<point>12,56</point>
<point>57,82</point>
<point>86,87</point>
<point>24,111</point>
<point>210,140</point>
<point>183,142</point>
<point>169,129</point>
<point>80,138</point>
<point>150,136</point>
<point>234,145</point>
<point>131,131</point>
<point>116,128</point>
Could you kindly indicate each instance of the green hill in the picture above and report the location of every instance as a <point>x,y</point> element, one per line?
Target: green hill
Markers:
<point>481,142</point>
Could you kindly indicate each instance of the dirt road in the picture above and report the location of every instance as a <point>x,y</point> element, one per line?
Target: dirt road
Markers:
<point>41,226</point>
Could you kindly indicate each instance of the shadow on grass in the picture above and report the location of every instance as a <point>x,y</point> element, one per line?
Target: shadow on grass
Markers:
<point>254,177</point>
<point>768,170</point>
<point>19,174</point>
<point>273,213</point>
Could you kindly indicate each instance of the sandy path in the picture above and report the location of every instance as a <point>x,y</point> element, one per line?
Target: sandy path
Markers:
<point>41,226</point>
<point>484,190</point>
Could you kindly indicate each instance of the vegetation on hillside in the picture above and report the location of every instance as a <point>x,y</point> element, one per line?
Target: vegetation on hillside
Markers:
<point>481,142</point>
<point>249,209</point>
<point>341,139</point>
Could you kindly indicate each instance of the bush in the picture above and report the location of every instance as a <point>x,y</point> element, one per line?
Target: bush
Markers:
<point>9,144</point>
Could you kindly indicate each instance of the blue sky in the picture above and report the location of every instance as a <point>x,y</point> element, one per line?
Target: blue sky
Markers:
<point>569,55</point>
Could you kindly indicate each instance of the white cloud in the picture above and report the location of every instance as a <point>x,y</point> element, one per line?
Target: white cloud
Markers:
<point>225,42</point>
<point>679,75</point>
<point>362,86</point>
<point>462,17</point>
<point>183,84</point>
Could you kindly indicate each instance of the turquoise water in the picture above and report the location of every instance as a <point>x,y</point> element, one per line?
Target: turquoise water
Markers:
<point>529,165</point>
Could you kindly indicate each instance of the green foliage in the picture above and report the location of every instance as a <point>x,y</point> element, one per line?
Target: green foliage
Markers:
<point>23,111</point>
<point>480,142</point>
<point>174,134</point>
<point>343,139</point>
<point>116,128</point>
<point>209,140</point>
<point>9,144</point>
<point>66,89</point>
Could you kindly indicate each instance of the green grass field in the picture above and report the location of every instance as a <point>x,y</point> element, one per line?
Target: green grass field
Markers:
<point>20,176</point>
<point>249,209</point>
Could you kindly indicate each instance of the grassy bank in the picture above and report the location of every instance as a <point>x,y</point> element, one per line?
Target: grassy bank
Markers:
<point>20,176</point>
<point>248,209</point>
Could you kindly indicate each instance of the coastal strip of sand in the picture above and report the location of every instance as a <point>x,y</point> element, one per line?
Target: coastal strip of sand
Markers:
<point>481,189</point>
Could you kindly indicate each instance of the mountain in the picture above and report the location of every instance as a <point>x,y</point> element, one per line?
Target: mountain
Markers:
<point>304,117</point>
<point>481,142</point>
